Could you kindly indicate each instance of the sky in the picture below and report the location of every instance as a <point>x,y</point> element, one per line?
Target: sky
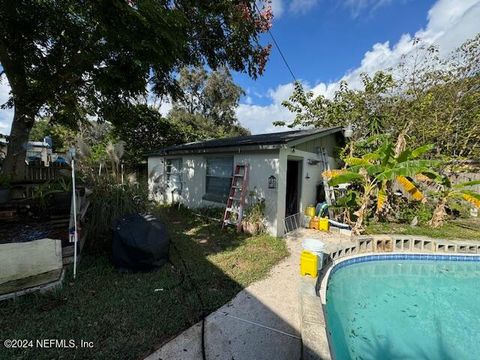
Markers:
<point>326,41</point>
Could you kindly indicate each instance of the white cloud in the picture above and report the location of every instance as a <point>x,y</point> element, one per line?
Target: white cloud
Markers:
<point>302,6</point>
<point>281,93</point>
<point>359,6</point>
<point>450,23</point>
<point>277,8</point>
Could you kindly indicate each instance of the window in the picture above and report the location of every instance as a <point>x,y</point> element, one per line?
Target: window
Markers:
<point>219,178</point>
<point>174,172</point>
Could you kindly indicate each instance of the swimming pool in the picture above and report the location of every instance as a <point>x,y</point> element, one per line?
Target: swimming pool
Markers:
<point>405,307</point>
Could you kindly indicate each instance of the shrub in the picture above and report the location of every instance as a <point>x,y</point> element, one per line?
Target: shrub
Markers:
<point>108,201</point>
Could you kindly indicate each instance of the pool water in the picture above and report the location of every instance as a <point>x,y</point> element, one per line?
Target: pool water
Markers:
<point>405,309</point>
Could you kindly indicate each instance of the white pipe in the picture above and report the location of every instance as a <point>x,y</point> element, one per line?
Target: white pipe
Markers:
<point>75,236</point>
<point>338,224</point>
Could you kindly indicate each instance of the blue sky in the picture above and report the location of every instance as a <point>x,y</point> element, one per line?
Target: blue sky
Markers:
<point>326,41</point>
<point>322,44</point>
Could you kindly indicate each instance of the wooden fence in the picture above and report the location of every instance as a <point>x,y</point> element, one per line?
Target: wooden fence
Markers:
<point>37,172</point>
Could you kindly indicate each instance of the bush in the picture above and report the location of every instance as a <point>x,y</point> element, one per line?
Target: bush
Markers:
<point>422,211</point>
<point>109,201</point>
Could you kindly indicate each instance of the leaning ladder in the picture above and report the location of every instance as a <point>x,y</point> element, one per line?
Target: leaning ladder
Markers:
<point>329,193</point>
<point>236,198</point>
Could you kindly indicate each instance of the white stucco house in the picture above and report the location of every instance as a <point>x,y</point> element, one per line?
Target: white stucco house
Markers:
<point>284,168</point>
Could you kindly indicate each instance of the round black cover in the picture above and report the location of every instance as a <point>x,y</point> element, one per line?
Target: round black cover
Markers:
<point>140,243</point>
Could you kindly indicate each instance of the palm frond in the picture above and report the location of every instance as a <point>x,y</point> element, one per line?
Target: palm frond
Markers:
<point>421,150</point>
<point>346,177</point>
<point>381,197</point>
<point>471,197</point>
<point>354,161</point>
<point>467,183</point>
<point>329,174</point>
<point>410,187</point>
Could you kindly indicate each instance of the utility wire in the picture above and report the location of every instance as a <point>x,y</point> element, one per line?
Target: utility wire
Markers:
<point>278,48</point>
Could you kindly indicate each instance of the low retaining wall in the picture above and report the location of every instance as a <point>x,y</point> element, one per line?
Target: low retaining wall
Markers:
<point>22,260</point>
<point>404,243</point>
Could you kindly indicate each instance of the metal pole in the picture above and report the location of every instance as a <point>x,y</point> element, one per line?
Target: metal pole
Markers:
<point>75,236</point>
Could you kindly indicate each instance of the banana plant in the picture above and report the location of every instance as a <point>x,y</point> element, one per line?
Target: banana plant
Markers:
<point>377,171</point>
<point>449,192</point>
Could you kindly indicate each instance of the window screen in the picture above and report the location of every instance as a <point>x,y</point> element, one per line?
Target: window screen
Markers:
<point>219,178</point>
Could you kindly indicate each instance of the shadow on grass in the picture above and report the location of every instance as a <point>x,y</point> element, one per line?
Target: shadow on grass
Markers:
<point>130,315</point>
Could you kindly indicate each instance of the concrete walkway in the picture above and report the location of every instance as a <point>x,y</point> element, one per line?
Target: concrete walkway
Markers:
<point>261,322</point>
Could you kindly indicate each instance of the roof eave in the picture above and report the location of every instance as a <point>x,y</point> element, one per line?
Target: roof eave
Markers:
<point>223,149</point>
<point>314,136</point>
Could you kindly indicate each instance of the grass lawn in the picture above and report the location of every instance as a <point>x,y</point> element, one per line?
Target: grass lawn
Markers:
<point>458,229</point>
<point>127,316</point>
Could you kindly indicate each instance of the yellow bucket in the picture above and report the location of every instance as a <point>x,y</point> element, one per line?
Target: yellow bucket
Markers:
<point>323,224</point>
<point>310,211</point>
<point>308,264</point>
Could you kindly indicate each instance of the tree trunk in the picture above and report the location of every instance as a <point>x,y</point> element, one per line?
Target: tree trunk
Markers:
<point>361,213</point>
<point>14,164</point>
<point>439,214</point>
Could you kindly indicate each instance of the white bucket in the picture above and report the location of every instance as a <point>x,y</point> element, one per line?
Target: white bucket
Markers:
<point>315,247</point>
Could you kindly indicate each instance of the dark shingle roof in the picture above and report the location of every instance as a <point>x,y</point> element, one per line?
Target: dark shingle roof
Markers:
<point>250,140</point>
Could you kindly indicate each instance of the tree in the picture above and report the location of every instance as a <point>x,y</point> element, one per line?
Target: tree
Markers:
<point>144,130</point>
<point>62,136</point>
<point>449,192</point>
<point>72,58</point>
<point>207,107</point>
<point>377,171</point>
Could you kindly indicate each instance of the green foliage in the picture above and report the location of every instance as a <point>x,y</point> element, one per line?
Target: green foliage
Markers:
<point>144,129</point>
<point>256,212</point>
<point>407,212</point>
<point>207,107</point>
<point>73,59</point>
<point>108,201</point>
<point>63,137</point>
<point>374,174</point>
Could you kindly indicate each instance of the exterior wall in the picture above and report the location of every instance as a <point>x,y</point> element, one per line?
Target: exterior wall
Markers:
<point>308,186</point>
<point>262,165</point>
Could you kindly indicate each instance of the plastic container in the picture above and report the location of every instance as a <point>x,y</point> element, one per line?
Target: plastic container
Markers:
<point>323,224</point>
<point>308,264</point>
<point>314,223</point>
<point>306,221</point>
<point>316,247</point>
<point>310,211</point>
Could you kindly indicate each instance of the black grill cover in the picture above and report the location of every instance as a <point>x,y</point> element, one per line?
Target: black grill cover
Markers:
<point>140,243</point>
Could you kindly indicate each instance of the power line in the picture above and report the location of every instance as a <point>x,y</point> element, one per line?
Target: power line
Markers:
<point>278,48</point>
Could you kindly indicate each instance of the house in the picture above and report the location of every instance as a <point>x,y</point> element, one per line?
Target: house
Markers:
<point>40,151</point>
<point>36,150</point>
<point>284,169</point>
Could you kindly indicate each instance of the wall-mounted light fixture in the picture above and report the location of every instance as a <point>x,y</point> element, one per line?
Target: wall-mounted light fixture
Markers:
<point>272,182</point>
<point>307,176</point>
